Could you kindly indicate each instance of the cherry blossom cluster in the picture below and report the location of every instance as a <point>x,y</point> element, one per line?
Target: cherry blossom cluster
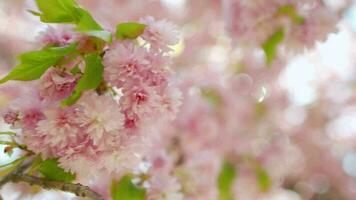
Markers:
<point>215,122</point>
<point>107,129</point>
<point>303,23</point>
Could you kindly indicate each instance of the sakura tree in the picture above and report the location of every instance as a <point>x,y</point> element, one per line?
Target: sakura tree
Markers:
<point>164,100</point>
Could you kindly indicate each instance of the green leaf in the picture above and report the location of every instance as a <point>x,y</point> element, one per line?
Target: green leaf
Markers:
<point>52,171</point>
<point>226,178</point>
<point>35,63</point>
<point>290,11</point>
<point>87,25</point>
<point>85,21</point>
<point>57,11</point>
<point>129,30</point>
<point>68,11</point>
<point>75,70</point>
<point>103,35</point>
<point>126,190</point>
<point>91,79</point>
<point>263,179</point>
<point>270,46</point>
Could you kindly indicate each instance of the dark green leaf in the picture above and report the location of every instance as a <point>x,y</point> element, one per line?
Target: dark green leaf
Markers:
<point>129,30</point>
<point>270,46</point>
<point>52,171</point>
<point>91,79</point>
<point>263,179</point>
<point>290,11</point>
<point>126,190</point>
<point>225,180</point>
<point>35,63</point>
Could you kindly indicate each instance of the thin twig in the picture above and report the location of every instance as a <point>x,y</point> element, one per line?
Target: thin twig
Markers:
<point>18,176</point>
<point>77,189</point>
<point>13,162</point>
<point>7,143</point>
<point>23,166</point>
<point>26,164</point>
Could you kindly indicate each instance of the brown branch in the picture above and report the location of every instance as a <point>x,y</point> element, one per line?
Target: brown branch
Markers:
<point>20,169</point>
<point>77,189</point>
<point>18,175</point>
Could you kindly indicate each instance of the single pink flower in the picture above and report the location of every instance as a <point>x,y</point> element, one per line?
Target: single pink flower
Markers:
<point>124,62</point>
<point>159,34</point>
<point>57,36</point>
<point>99,116</point>
<point>57,85</point>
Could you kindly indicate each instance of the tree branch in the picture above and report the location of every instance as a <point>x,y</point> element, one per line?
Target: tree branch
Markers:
<point>18,175</point>
<point>20,169</point>
<point>77,189</point>
<point>23,166</point>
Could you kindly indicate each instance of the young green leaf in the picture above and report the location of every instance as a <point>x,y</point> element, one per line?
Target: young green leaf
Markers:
<point>85,21</point>
<point>68,11</point>
<point>270,46</point>
<point>290,11</point>
<point>126,190</point>
<point>52,171</point>
<point>225,180</point>
<point>57,11</point>
<point>87,25</point>
<point>129,30</point>
<point>263,179</point>
<point>103,35</point>
<point>91,79</point>
<point>35,63</point>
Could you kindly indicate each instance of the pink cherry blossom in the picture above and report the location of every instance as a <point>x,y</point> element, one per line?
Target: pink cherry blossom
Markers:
<point>58,127</point>
<point>172,108</point>
<point>99,116</point>
<point>57,85</point>
<point>58,36</point>
<point>124,62</point>
<point>159,34</point>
